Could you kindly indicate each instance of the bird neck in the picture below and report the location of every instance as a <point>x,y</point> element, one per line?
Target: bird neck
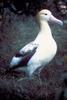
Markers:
<point>45,31</point>
<point>44,28</point>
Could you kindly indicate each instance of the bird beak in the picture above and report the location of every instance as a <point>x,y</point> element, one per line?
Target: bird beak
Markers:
<point>53,19</point>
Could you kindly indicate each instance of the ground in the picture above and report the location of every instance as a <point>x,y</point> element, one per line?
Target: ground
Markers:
<point>15,32</point>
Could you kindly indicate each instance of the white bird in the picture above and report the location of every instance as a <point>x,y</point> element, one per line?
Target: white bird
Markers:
<point>42,50</point>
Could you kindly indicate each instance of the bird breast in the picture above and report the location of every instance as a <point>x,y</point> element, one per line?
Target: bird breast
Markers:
<point>45,52</point>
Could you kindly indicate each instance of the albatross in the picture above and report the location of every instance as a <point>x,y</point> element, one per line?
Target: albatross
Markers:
<point>38,53</point>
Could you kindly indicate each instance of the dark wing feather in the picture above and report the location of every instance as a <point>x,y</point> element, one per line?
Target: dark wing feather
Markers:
<point>25,57</point>
<point>25,54</point>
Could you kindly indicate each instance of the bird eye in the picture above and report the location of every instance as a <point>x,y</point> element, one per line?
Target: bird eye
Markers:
<point>45,14</point>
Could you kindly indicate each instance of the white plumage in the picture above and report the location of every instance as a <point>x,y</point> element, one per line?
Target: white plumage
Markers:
<point>42,50</point>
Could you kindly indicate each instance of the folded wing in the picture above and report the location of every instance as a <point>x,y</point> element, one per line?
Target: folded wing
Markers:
<point>23,56</point>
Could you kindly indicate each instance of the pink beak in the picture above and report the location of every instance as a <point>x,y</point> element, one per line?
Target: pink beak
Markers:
<point>53,19</point>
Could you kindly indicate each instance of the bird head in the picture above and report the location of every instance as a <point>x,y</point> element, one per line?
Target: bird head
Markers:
<point>46,15</point>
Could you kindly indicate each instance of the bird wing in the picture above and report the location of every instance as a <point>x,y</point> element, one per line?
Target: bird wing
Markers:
<point>23,56</point>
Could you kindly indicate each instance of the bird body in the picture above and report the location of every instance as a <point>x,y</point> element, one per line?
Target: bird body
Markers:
<point>45,51</point>
<point>42,50</point>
